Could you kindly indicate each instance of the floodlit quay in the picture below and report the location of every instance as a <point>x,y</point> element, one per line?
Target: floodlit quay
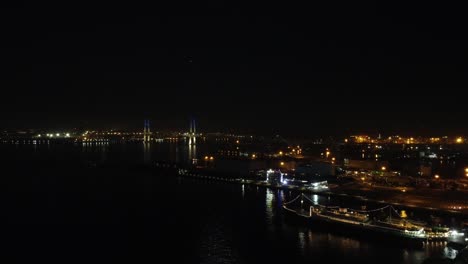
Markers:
<point>422,172</point>
<point>440,201</point>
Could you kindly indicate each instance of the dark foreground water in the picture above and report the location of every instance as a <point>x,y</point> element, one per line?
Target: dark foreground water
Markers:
<point>69,204</point>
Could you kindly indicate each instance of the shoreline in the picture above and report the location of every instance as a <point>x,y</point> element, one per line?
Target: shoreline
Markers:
<point>339,191</point>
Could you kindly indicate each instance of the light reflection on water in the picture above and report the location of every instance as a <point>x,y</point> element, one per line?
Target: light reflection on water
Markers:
<point>450,253</point>
<point>147,152</point>
<point>217,240</point>
<point>310,241</point>
<point>269,205</point>
<point>216,246</point>
<point>192,151</point>
<point>301,241</point>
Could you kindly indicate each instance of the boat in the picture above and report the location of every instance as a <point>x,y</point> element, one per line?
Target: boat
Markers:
<point>368,222</point>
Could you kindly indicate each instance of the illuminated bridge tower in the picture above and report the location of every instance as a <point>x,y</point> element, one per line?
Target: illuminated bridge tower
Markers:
<point>192,142</point>
<point>193,129</point>
<point>147,132</point>
<point>192,132</point>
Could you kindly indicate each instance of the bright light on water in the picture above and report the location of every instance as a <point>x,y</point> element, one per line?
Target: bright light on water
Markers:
<point>315,198</point>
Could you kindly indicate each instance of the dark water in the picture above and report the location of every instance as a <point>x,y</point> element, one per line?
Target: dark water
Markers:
<point>99,204</point>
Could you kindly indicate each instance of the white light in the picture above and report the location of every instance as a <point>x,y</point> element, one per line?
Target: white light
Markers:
<point>455,233</point>
<point>67,135</point>
<point>58,134</point>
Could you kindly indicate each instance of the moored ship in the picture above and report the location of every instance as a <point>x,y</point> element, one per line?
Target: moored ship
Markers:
<point>368,222</point>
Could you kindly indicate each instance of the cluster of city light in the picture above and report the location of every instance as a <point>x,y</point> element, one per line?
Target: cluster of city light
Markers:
<point>404,140</point>
<point>295,150</point>
<point>51,135</point>
<point>85,139</point>
<point>209,158</point>
<point>360,139</point>
<point>328,155</point>
<point>291,151</point>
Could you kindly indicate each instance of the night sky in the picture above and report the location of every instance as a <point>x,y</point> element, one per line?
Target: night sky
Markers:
<point>320,69</point>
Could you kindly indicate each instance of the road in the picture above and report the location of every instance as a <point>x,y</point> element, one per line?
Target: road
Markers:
<point>450,201</point>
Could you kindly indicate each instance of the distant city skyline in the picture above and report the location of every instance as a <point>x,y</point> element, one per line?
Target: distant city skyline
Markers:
<point>329,70</point>
<point>359,137</point>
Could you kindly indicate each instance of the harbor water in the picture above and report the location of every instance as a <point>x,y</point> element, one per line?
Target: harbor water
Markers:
<point>104,203</point>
